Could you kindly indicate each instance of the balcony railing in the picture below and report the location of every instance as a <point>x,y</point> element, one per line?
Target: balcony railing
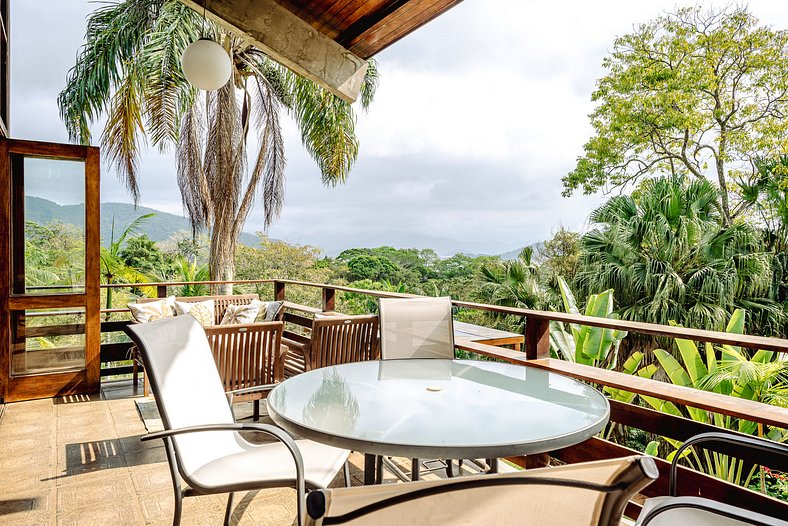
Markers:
<point>537,354</point>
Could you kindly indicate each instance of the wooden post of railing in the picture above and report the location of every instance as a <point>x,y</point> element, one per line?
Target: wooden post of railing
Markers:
<point>329,303</point>
<point>161,291</point>
<point>279,291</point>
<point>537,338</point>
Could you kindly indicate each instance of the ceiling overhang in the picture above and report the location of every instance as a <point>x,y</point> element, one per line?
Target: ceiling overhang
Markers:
<point>326,41</point>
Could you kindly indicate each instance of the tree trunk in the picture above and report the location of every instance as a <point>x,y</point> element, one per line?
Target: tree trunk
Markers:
<point>222,258</point>
<point>720,165</point>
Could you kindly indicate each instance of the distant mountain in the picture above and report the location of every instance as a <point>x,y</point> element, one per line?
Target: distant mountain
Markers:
<point>159,228</point>
<point>512,254</point>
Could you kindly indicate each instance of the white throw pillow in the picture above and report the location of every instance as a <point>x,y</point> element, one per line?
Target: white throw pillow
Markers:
<point>241,314</point>
<point>203,311</point>
<point>153,310</point>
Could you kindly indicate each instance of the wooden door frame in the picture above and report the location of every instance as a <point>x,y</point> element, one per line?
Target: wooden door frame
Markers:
<point>38,386</point>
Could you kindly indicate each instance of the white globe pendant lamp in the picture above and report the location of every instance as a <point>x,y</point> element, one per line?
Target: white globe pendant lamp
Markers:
<point>206,64</point>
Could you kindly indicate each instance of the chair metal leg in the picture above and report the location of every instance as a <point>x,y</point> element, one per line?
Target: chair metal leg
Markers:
<point>256,415</point>
<point>229,512</point>
<point>346,471</point>
<point>379,469</point>
<point>176,482</point>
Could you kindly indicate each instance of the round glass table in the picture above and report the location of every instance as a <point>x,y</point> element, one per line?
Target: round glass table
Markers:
<point>431,408</point>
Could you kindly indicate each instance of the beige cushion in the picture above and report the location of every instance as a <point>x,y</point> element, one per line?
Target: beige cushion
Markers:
<point>241,314</point>
<point>153,310</point>
<point>203,311</point>
<point>269,310</point>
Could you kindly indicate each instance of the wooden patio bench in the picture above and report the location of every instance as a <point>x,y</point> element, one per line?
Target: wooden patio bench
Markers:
<point>249,341</point>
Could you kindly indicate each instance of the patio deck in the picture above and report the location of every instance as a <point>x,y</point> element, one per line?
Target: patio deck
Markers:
<point>79,461</point>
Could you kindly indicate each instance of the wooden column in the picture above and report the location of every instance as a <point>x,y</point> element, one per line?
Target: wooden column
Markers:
<point>537,338</point>
<point>161,291</point>
<point>329,295</point>
<point>279,291</point>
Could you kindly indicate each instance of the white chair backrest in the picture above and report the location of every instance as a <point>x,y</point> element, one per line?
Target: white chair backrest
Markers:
<point>187,387</point>
<point>416,328</point>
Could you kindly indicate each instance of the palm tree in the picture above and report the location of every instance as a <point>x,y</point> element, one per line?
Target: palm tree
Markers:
<point>668,256</point>
<point>113,267</point>
<point>129,69</point>
<point>513,283</point>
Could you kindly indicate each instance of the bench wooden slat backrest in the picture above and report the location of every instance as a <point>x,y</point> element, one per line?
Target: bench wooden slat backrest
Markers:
<point>342,339</point>
<point>220,303</point>
<point>247,355</point>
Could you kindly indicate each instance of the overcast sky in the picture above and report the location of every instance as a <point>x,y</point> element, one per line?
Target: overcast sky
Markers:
<point>478,116</point>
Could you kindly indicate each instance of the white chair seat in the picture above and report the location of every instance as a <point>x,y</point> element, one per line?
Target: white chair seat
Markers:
<point>257,465</point>
<point>686,516</point>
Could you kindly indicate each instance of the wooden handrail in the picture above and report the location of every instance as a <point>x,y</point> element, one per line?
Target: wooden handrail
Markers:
<point>535,333</point>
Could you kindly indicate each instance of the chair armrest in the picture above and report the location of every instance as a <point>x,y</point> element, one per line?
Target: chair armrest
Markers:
<point>253,389</point>
<point>714,507</point>
<point>274,431</point>
<point>748,442</point>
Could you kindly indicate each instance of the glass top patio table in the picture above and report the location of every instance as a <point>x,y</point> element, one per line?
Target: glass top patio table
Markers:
<point>425,408</point>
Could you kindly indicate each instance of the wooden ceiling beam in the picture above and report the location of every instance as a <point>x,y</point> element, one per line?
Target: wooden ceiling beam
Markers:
<point>362,25</point>
<point>287,39</point>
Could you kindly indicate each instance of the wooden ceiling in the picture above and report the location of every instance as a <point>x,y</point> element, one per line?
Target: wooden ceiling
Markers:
<point>328,41</point>
<point>366,27</point>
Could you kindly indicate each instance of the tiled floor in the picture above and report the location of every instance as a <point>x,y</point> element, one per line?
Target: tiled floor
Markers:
<point>79,461</point>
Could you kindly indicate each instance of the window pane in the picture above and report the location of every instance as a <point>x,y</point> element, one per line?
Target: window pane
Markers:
<point>49,201</point>
<point>47,341</point>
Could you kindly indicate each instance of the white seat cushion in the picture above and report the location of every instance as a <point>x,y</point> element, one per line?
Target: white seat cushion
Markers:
<point>685,516</point>
<point>271,462</point>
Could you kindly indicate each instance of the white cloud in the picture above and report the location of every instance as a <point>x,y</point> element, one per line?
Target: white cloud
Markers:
<point>478,116</point>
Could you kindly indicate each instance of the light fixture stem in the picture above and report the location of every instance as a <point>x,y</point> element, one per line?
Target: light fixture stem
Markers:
<point>204,7</point>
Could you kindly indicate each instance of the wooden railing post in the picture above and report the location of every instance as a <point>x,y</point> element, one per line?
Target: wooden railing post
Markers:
<point>161,291</point>
<point>329,302</point>
<point>279,291</point>
<point>537,338</point>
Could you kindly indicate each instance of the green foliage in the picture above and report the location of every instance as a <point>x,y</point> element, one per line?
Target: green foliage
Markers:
<point>668,256</point>
<point>54,254</point>
<point>560,255</point>
<point>277,259</point>
<point>185,271</point>
<point>142,253</point>
<point>761,376</point>
<point>585,344</point>
<point>375,268</point>
<point>690,93</point>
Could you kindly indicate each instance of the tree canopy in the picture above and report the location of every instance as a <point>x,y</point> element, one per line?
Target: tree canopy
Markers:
<point>698,93</point>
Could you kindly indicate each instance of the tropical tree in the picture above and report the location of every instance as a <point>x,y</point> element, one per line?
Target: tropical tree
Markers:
<point>582,343</point>
<point>187,271</point>
<point>695,92</point>
<point>668,256</point>
<point>512,283</point>
<point>113,268</point>
<point>129,70</point>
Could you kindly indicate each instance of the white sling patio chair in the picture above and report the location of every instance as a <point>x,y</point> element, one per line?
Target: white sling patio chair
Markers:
<point>698,511</point>
<point>418,328</point>
<point>201,438</point>
<point>591,493</point>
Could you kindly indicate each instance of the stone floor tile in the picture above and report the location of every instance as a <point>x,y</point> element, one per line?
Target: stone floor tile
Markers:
<point>28,518</point>
<point>142,457</point>
<point>90,433</point>
<point>151,479</point>
<point>26,444</point>
<point>113,488</point>
<point>135,443</point>
<point>113,513</point>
